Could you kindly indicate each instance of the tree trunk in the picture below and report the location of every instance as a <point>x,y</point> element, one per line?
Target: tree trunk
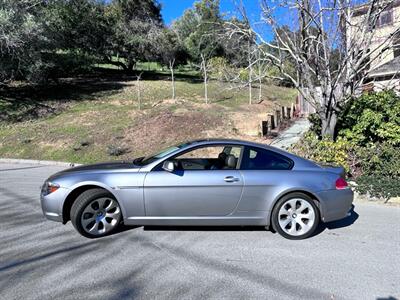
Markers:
<point>139,97</point>
<point>129,66</point>
<point>250,73</point>
<point>171,67</point>
<point>204,66</point>
<point>328,124</point>
<point>260,71</point>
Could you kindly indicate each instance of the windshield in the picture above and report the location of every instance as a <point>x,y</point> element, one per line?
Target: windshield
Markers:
<point>149,159</point>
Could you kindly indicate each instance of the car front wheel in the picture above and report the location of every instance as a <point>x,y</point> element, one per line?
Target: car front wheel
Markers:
<point>95,213</point>
<point>295,216</point>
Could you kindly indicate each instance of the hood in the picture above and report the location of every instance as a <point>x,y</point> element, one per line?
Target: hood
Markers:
<point>102,167</point>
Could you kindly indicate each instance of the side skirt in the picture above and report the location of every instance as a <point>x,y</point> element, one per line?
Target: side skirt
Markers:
<point>198,221</point>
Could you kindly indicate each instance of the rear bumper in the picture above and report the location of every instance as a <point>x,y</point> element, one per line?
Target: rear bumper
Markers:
<point>335,204</point>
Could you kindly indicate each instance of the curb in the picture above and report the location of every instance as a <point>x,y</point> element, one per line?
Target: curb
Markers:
<point>38,162</point>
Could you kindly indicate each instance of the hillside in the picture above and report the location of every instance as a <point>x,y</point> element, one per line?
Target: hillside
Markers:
<point>89,119</point>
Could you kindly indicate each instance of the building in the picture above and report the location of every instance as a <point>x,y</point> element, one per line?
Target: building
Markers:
<point>384,60</point>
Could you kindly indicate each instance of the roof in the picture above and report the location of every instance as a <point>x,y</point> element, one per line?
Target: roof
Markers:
<point>390,68</point>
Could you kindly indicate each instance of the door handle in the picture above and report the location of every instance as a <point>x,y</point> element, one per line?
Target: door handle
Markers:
<point>231,179</point>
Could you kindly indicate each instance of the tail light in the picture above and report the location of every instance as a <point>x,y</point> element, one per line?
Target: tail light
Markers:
<point>341,184</point>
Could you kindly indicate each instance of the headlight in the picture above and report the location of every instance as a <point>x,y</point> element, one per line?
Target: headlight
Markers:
<point>49,187</point>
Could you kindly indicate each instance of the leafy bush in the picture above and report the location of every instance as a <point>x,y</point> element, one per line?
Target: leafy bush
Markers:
<point>315,124</point>
<point>325,150</point>
<point>379,159</point>
<point>219,67</point>
<point>61,64</point>
<point>381,187</point>
<point>373,117</point>
<point>375,168</point>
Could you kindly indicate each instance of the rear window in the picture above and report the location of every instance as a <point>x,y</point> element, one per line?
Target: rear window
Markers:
<point>262,159</point>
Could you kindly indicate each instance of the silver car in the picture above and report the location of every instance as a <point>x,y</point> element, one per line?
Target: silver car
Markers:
<point>204,182</point>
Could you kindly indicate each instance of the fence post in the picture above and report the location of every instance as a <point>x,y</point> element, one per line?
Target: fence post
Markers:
<point>264,128</point>
<point>272,121</point>
<point>278,117</point>
<point>292,110</point>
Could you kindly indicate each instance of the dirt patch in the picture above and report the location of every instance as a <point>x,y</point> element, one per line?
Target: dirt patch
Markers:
<point>166,128</point>
<point>247,119</point>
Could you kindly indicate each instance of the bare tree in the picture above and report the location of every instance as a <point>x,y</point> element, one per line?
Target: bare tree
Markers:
<point>205,69</point>
<point>322,28</point>
<point>138,90</point>
<point>170,51</point>
<point>240,33</point>
<point>171,68</point>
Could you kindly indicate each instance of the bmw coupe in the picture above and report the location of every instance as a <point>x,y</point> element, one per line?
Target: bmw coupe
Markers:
<point>211,182</point>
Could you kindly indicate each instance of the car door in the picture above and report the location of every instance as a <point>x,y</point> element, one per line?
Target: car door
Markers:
<point>264,174</point>
<point>196,189</point>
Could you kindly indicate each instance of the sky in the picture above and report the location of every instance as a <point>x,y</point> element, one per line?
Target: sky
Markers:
<point>173,9</point>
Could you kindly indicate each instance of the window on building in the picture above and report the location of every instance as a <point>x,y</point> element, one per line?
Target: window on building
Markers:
<point>386,18</point>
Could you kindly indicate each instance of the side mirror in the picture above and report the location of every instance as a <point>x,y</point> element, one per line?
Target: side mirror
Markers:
<point>168,166</point>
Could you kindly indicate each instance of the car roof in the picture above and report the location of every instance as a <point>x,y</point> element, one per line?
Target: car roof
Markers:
<point>223,141</point>
<point>211,141</point>
<point>299,161</point>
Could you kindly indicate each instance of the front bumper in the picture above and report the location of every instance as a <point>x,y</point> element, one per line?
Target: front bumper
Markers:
<point>52,204</point>
<point>335,204</point>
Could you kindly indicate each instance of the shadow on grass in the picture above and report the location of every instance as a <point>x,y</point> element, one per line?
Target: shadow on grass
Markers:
<point>29,101</point>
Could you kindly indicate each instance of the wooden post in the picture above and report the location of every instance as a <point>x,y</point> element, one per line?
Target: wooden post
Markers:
<point>272,122</point>
<point>288,112</point>
<point>283,112</point>
<point>264,128</point>
<point>292,110</point>
<point>278,117</point>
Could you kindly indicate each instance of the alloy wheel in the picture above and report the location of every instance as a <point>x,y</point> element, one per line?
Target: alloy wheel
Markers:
<point>100,216</point>
<point>296,217</point>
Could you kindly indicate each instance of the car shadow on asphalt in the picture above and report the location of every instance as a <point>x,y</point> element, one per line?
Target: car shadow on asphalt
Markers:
<point>345,222</point>
<point>204,228</point>
<point>322,226</point>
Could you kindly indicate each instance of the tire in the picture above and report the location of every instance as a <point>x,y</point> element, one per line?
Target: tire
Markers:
<point>295,216</point>
<point>95,213</point>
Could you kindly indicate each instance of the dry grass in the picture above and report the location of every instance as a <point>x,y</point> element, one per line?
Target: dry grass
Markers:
<point>110,117</point>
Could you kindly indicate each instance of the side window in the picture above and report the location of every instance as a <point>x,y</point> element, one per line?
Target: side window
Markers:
<point>218,157</point>
<point>262,159</point>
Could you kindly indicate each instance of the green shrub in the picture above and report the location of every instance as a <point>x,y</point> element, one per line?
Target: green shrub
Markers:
<point>380,159</point>
<point>373,117</point>
<point>315,124</point>
<point>324,150</point>
<point>380,187</point>
<point>219,68</point>
<point>61,64</point>
<point>367,146</point>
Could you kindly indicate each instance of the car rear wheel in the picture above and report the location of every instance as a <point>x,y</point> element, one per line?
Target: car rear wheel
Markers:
<point>295,216</point>
<point>95,213</point>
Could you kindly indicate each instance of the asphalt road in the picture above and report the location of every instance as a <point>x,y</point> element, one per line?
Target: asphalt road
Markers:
<point>358,258</point>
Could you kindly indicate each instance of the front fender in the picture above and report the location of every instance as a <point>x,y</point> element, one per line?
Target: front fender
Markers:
<point>98,184</point>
